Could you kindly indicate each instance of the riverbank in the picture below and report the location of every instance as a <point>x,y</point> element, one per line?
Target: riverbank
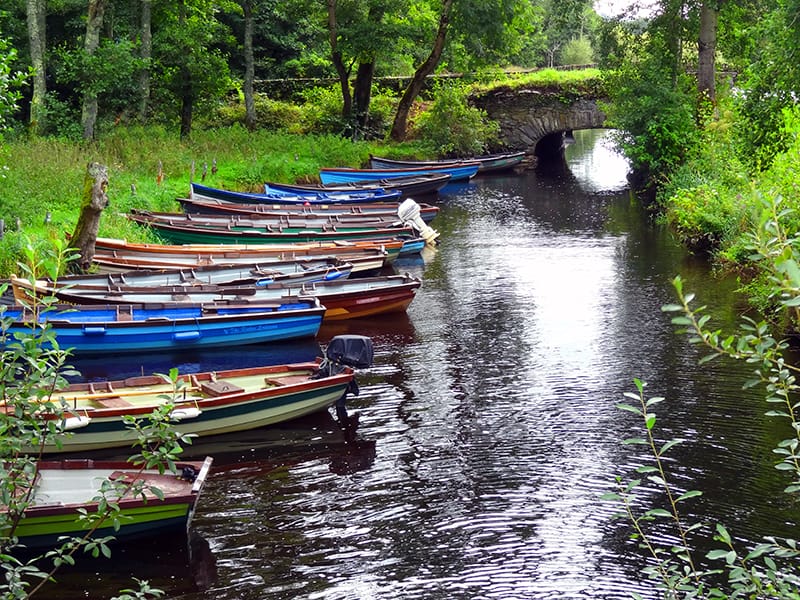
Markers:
<point>149,168</point>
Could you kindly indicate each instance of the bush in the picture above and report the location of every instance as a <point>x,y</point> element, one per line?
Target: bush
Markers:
<point>452,128</point>
<point>577,51</point>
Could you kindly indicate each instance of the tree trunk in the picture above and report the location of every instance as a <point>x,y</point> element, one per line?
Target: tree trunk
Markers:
<point>398,132</point>
<point>336,58</point>
<point>93,203</point>
<point>146,53</point>
<point>36,14</point>
<point>362,92</point>
<point>706,49</point>
<point>186,86</point>
<point>249,67</point>
<point>94,24</point>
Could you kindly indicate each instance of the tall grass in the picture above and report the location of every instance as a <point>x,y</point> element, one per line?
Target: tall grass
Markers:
<point>43,178</point>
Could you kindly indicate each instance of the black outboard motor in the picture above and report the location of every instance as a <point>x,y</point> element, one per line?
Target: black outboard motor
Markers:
<point>346,351</point>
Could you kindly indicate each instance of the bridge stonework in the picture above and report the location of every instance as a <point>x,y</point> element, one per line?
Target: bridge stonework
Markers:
<point>535,121</point>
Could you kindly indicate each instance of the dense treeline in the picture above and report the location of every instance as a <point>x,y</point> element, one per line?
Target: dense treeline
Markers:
<point>106,62</point>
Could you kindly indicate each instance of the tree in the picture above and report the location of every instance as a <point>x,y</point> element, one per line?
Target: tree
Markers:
<point>146,53</point>
<point>249,70</point>
<point>36,12</point>
<point>485,32</point>
<point>189,69</point>
<point>94,23</point>
<point>398,131</point>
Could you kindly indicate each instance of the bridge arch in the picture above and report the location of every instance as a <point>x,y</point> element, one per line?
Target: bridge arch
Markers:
<point>536,121</point>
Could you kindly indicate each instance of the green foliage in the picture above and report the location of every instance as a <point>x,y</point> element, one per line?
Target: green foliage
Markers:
<point>451,128</point>
<point>10,82</point>
<point>654,119</point>
<point>272,115</point>
<point>577,51</point>
<point>765,570</point>
<point>32,370</point>
<point>703,217</point>
<point>770,81</point>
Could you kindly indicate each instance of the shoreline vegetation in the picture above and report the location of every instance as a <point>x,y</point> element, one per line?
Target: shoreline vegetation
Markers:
<point>150,166</point>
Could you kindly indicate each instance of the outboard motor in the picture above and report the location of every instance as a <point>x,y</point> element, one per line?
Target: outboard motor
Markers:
<point>346,351</point>
<point>409,214</point>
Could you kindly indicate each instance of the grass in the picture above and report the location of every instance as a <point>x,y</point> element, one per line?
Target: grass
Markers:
<point>44,177</point>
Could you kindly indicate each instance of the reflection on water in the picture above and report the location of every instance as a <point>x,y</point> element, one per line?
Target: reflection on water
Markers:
<point>472,463</point>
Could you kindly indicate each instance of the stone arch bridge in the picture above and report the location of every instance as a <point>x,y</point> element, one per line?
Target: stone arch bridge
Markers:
<point>536,120</point>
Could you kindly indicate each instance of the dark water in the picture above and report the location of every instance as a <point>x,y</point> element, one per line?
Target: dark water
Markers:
<point>473,460</point>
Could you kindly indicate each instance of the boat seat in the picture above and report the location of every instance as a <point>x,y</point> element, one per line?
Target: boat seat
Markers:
<point>219,388</point>
<point>112,402</point>
<point>286,379</point>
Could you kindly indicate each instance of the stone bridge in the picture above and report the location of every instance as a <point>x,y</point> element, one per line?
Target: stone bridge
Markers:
<point>536,120</point>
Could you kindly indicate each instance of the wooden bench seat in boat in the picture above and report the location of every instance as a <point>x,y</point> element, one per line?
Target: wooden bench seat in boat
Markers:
<point>286,379</point>
<point>112,402</point>
<point>219,388</point>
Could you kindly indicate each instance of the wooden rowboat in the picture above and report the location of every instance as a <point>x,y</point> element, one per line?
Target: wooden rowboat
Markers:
<point>113,254</point>
<point>331,212</point>
<point>463,171</point>
<point>340,197</point>
<point>209,403</point>
<point>181,229</point>
<point>63,489</point>
<point>488,163</point>
<point>409,187</point>
<point>342,299</point>
<point>147,328</point>
<point>199,278</point>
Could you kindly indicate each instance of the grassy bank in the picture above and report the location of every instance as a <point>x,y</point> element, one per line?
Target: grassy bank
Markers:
<point>45,176</point>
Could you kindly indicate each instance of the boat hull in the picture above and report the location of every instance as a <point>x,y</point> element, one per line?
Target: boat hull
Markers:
<point>457,172</point>
<point>49,518</point>
<point>354,197</point>
<point>136,328</point>
<point>342,299</point>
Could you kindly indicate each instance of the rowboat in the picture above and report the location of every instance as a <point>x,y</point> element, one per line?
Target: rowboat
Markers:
<point>488,163</point>
<point>330,212</point>
<point>146,328</point>
<point>207,403</point>
<point>413,186</point>
<point>115,254</point>
<point>457,171</point>
<point>200,278</point>
<point>342,299</point>
<point>63,489</point>
<point>341,197</point>
<point>182,229</point>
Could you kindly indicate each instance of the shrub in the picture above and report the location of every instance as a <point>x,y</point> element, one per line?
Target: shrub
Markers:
<point>452,128</point>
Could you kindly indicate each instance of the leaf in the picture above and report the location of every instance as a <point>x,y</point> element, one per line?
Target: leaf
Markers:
<point>658,512</point>
<point>650,421</point>
<point>669,445</point>
<point>722,534</point>
<point>717,554</point>
<point>689,494</point>
<point>629,408</point>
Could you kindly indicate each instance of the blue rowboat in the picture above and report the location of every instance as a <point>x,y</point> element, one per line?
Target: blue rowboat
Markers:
<point>206,403</point>
<point>489,163</point>
<point>354,197</point>
<point>463,171</point>
<point>414,186</point>
<point>147,328</point>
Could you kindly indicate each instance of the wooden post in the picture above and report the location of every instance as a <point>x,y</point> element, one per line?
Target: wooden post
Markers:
<point>93,203</point>
<point>2,228</point>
